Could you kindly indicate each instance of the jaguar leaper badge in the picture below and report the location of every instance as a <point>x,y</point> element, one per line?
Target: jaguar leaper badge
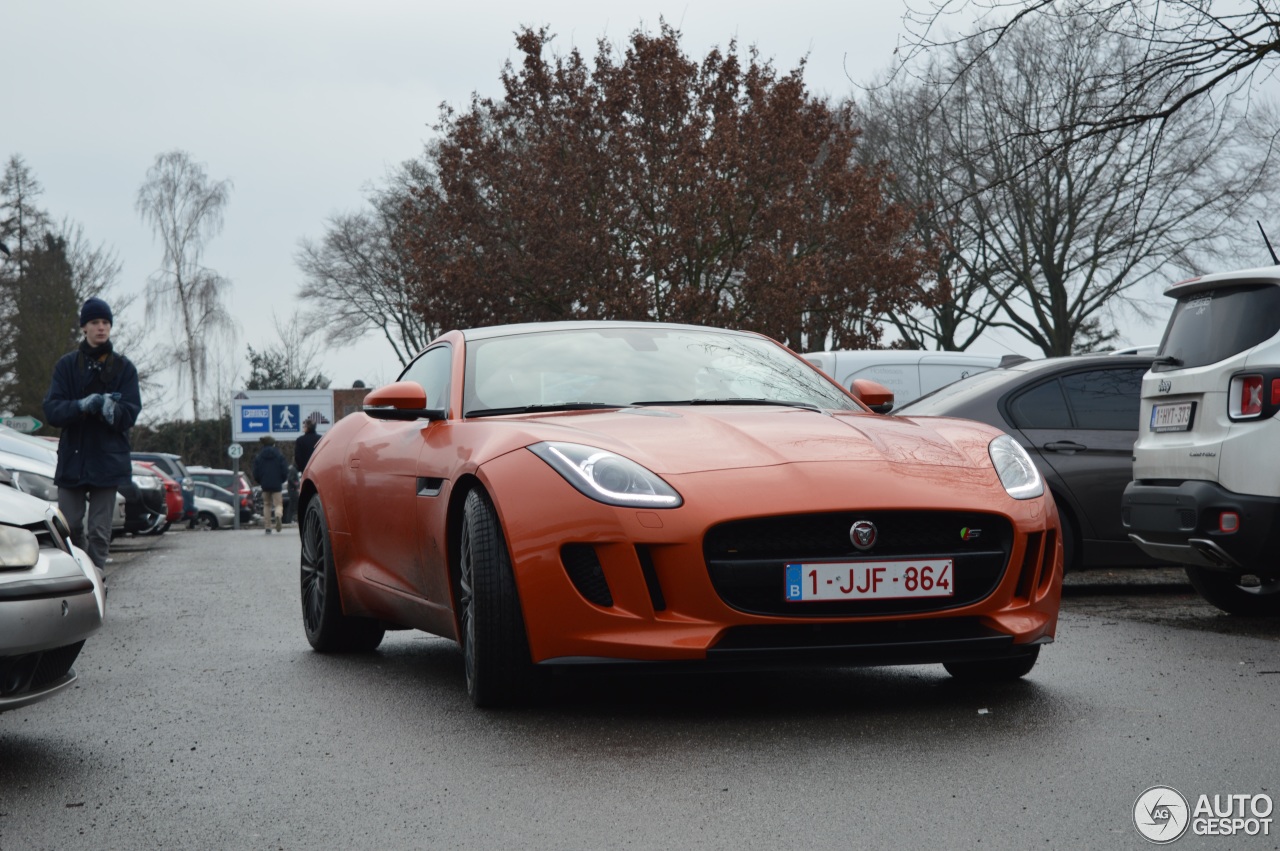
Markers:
<point>863,534</point>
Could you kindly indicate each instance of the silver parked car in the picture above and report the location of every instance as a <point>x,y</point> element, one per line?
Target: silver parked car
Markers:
<point>52,599</point>
<point>213,513</point>
<point>33,474</point>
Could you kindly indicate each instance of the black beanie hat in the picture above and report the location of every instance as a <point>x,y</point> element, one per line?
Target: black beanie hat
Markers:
<point>95,308</point>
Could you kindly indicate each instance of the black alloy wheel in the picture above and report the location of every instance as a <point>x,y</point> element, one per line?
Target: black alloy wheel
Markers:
<point>328,629</point>
<point>495,646</point>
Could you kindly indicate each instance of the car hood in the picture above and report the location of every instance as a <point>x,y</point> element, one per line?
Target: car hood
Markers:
<point>679,440</point>
<point>20,509</point>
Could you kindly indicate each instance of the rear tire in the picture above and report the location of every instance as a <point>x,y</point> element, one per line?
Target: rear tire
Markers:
<point>495,646</point>
<point>1229,594</point>
<point>994,670</point>
<point>328,629</point>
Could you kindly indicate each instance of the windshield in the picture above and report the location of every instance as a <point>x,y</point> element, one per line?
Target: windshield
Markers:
<point>615,367</point>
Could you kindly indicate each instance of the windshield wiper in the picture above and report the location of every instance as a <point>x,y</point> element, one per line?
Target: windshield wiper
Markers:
<point>550,406</point>
<point>737,401</point>
<point>1168,360</point>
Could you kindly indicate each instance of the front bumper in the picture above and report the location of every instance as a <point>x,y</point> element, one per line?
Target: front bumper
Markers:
<point>1180,523</point>
<point>613,585</point>
<point>46,613</point>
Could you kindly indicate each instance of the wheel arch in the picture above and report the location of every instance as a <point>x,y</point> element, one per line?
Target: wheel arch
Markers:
<point>1070,518</point>
<point>453,536</point>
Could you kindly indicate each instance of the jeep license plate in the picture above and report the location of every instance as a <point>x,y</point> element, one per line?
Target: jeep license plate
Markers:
<point>1174,416</point>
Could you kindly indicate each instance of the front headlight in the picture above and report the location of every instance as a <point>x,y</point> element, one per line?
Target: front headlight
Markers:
<point>607,476</point>
<point>18,547</point>
<point>1015,468</point>
<point>41,487</point>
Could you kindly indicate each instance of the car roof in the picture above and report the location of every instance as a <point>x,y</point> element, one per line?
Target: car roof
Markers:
<point>492,331</point>
<point>997,379</point>
<point>1218,280</point>
<point>1038,365</point>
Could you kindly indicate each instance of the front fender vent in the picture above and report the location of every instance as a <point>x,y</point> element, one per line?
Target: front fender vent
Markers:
<point>585,572</point>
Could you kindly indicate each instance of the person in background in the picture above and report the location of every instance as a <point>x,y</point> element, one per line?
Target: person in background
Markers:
<point>306,445</point>
<point>94,399</point>
<point>291,504</point>
<point>271,471</point>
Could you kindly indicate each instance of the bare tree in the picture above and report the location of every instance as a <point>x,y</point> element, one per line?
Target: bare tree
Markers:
<point>184,209</point>
<point>290,363</point>
<point>926,145</point>
<point>1185,50</point>
<point>357,276</point>
<point>1061,226</point>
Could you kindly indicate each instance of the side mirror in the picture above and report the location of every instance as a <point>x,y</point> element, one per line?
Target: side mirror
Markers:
<point>402,400</point>
<point>873,394</point>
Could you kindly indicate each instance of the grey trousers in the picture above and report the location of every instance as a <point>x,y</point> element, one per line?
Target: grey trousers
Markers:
<point>91,534</point>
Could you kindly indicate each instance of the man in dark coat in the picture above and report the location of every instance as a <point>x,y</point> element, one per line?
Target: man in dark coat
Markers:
<point>305,445</point>
<point>94,399</point>
<point>271,471</point>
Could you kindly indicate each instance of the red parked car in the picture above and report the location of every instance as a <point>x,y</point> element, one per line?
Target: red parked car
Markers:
<point>172,492</point>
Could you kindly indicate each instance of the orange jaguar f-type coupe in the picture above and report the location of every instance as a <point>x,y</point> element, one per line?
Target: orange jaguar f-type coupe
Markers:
<point>628,492</point>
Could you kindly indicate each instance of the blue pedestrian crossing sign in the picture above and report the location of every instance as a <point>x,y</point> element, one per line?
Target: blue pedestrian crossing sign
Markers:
<point>286,418</point>
<point>279,413</point>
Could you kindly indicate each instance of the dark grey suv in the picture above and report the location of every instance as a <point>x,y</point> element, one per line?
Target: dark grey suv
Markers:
<point>172,464</point>
<point>1078,419</point>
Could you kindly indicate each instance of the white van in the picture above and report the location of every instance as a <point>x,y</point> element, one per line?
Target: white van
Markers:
<point>1206,469</point>
<point>908,373</point>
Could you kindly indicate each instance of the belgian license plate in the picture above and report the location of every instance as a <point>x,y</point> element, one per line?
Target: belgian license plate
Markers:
<point>868,580</point>
<point>1174,416</point>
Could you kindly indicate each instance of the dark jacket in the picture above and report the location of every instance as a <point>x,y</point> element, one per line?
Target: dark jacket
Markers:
<point>92,451</point>
<point>270,469</point>
<point>303,449</point>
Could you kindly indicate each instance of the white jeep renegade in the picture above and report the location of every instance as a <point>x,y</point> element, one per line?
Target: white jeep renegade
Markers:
<point>1206,466</point>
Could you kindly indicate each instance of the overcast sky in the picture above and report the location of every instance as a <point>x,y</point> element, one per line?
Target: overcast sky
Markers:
<point>303,105</point>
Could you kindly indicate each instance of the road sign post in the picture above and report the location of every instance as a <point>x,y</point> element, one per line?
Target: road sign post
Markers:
<point>235,451</point>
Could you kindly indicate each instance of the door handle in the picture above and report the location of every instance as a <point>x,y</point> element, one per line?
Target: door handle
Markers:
<point>1068,447</point>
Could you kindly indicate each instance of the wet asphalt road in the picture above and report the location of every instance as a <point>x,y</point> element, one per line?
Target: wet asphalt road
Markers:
<point>203,720</point>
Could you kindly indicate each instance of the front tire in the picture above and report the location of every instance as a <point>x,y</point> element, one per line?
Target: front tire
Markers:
<point>1233,596</point>
<point>205,521</point>
<point>1069,547</point>
<point>994,670</point>
<point>495,646</point>
<point>328,629</point>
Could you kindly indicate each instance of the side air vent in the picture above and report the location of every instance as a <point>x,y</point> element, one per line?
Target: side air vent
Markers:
<point>583,567</point>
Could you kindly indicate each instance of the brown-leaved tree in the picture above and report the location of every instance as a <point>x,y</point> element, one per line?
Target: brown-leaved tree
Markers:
<point>646,185</point>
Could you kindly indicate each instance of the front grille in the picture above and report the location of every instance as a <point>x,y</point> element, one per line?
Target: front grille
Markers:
<point>55,663</point>
<point>21,674</point>
<point>747,559</point>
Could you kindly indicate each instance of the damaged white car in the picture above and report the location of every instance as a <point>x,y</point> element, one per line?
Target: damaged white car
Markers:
<point>52,598</point>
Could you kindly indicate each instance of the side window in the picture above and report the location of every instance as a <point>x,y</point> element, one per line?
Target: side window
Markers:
<point>431,370</point>
<point>1043,406</point>
<point>1105,398</point>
